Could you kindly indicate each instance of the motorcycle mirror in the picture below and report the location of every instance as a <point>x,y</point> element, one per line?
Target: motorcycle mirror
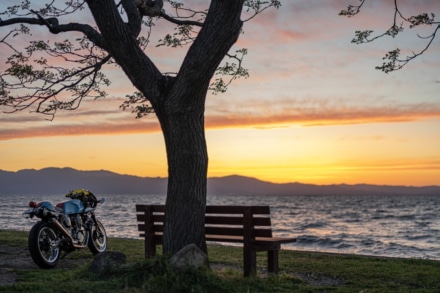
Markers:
<point>101,201</point>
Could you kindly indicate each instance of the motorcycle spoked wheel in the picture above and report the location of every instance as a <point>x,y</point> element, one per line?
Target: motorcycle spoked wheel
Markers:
<point>42,245</point>
<point>98,238</point>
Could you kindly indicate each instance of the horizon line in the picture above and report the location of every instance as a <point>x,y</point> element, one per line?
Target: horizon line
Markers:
<point>230,175</point>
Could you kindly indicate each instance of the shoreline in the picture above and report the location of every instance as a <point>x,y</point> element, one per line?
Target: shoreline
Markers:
<point>330,253</point>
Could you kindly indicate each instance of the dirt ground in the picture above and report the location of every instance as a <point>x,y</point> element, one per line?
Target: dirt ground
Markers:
<point>13,258</point>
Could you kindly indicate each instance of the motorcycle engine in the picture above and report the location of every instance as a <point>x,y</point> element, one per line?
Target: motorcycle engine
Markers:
<point>74,225</point>
<point>77,228</point>
<point>65,220</point>
<point>76,221</point>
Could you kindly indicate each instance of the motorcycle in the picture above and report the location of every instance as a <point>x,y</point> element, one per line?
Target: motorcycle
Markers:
<point>68,226</point>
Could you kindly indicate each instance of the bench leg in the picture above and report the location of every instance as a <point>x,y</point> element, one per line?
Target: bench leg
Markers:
<point>150,249</point>
<point>249,262</point>
<point>272,261</point>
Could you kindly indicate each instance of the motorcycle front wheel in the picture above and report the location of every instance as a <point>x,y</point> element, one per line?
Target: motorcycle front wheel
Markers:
<point>43,245</point>
<point>98,238</point>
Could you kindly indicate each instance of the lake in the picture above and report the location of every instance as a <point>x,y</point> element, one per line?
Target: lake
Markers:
<point>391,226</point>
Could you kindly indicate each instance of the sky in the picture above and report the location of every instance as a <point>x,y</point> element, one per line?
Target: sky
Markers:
<point>313,110</point>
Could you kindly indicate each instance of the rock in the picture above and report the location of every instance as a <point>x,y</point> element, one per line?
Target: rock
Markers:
<point>189,257</point>
<point>106,260</point>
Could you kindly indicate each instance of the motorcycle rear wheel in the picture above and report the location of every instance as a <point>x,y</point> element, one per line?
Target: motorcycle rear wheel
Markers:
<point>98,238</point>
<point>43,245</point>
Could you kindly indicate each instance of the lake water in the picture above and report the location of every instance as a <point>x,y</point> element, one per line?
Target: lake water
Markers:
<point>393,226</point>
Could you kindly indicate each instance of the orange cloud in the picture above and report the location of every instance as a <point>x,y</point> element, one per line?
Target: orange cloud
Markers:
<point>312,112</point>
<point>84,129</point>
<point>317,113</point>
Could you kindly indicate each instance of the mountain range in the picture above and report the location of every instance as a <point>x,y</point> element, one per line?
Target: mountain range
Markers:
<point>62,180</point>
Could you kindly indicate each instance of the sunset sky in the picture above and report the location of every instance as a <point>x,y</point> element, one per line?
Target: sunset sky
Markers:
<point>314,109</point>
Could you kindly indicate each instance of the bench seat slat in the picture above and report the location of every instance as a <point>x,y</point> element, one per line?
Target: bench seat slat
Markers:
<point>231,238</point>
<point>234,231</point>
<point>239,239</point>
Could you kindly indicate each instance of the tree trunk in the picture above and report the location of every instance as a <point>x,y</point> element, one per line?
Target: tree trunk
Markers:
<point>180,110</point>
<point>179,103</point>
<point>183,130</point>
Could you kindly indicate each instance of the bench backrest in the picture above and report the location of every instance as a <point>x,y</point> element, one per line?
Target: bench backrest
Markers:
<point>245,221</point>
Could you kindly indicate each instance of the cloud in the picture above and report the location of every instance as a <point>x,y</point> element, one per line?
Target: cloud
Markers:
<point>319,113</point>
<point>283,60</point>
<point>254,114</point>
<point>94,117</point>
<point>422,164</point>
<point>136,126</point>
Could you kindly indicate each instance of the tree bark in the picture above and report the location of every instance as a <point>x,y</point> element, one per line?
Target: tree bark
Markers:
<point>181,115</point>
<point>184,135</point>
<point>179,103</point>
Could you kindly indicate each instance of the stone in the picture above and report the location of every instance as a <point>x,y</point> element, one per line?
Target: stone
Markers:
<point>106,260</point>
<point>189,257</point>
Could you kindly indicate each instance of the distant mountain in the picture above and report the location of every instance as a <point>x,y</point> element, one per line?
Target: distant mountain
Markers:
<point>62,180</point>
<point>246,185</point>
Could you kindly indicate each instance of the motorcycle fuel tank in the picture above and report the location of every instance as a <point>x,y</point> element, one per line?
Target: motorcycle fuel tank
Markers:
<point>74,206</point>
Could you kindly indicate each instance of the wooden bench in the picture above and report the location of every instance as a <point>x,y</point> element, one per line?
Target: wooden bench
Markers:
<point>248,225</point>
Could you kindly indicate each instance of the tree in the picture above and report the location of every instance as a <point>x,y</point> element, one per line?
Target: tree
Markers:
<point>35,79</point>
<point>392,60</point>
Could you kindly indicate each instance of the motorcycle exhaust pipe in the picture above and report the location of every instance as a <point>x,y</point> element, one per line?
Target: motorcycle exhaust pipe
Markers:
<point>59,227</point>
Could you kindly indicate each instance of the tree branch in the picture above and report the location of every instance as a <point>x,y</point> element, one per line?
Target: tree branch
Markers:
<point>28,20</point>
<point>149,8</point>
<point>220,31</point>
<point>54,27</point>
<point>179,21</point>
<point>74,81</point>
<point>394,62</point>
<point>134,16</point>
<point>258,6</point>
<point>125,49</point>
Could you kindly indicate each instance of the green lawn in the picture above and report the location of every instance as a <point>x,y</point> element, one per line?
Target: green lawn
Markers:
<point>299,272</point>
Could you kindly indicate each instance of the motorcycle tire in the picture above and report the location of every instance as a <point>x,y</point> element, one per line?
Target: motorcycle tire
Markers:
<point>43,248</point>
<point>98,238</point>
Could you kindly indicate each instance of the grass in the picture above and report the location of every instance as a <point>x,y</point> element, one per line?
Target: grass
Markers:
<point>299,272</point>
